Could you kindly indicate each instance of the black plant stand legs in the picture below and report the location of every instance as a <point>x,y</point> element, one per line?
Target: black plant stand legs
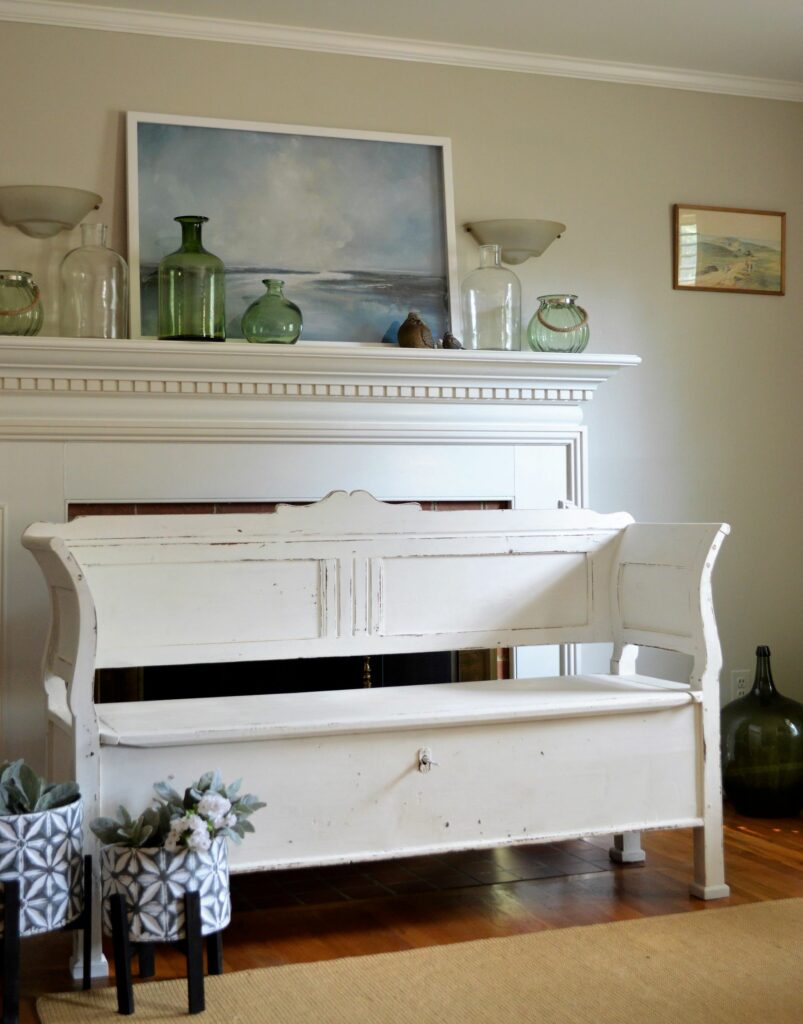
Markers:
<point>214,953</point>
<point>11,952</point>
<point>195,953</point>
<point>192,946</point>
<point>122,954</point>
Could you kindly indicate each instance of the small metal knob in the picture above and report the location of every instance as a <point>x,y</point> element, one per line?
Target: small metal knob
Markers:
<point>425,761</point>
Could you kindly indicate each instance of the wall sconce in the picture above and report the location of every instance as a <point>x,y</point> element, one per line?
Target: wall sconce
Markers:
<point>41,211</point>
<point>519,239</point>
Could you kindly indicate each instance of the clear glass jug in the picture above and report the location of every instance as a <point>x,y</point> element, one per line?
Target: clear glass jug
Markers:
<point>94,288</point>
<point>491,297</point>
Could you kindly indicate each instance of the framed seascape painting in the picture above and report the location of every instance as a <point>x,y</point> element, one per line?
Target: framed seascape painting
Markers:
<point>359,225</point>
<point>718,249</point>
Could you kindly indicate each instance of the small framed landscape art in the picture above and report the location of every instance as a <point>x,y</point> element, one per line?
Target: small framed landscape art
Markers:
<point>359,225</point>
<point>718,249</point>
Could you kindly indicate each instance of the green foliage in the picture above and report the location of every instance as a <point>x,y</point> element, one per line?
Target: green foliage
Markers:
<point>22,791</point>
<point>158,822</point>
<point>149,829</point>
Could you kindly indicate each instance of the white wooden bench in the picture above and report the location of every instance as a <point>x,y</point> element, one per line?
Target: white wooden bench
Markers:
<point>355,775</point>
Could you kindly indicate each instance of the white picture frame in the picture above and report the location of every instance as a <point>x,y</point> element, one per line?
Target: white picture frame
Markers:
<point>360,225</point>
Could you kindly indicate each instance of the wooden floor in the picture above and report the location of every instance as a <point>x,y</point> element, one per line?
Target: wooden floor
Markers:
<point>288,917</point>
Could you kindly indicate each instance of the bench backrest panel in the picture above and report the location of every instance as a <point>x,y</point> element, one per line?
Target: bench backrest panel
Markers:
<point>349,575</point>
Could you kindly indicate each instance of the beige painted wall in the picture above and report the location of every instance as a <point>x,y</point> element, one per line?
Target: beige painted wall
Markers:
<point>708,428</point>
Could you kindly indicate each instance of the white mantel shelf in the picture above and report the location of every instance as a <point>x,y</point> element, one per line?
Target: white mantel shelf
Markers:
<point>74,387</point>
<point>330,369</point>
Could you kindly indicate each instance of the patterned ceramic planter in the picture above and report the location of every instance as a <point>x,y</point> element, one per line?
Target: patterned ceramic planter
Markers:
<point>154,881</point>
<point>44,852</point>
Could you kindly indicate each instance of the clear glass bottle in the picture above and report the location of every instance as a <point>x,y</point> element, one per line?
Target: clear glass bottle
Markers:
<point>558,325</point>
<point>21,311</point>
<point>272,318</point>
<point>762,748</point>
<point>192,289</point>
<point>491,299</point>
<point>94,288</point>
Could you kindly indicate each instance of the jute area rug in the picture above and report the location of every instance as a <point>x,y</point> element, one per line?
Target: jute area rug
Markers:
<point>738,965</point>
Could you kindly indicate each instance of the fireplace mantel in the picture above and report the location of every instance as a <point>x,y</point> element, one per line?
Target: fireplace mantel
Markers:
<point>149,388</point>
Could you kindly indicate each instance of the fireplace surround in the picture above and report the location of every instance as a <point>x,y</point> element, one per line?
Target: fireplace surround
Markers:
<point>121,422</point>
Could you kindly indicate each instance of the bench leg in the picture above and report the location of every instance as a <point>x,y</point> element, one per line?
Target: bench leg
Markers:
<point>709,853</point>
<point>627,849</point>
<point>89,892</point>
<point>709,863</point>
<point>11,952</point>
<point>91,940</point>
<point>214,953</point>
<point>195,953</point>
<point>122,954</point>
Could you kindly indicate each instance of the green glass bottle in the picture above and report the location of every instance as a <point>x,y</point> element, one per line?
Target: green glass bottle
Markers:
<point>192,289</point>
<point>272,318</point>
<point>762,748</point>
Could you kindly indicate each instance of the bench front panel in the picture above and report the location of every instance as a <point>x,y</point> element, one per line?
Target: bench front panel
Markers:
<point>362,796</point>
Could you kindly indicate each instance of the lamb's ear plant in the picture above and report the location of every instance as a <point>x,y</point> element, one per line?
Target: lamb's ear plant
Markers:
<point>22,791</point>
<point>149,829</point>
<point>207,809</point>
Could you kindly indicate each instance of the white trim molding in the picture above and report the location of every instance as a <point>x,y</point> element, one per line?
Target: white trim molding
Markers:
<point>324,390</point>
<point>85,16</point>
<point>312,370</point>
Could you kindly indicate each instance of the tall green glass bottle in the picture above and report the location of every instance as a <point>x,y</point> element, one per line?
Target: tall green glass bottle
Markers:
<point>762,748</point>
<point>192,299</point>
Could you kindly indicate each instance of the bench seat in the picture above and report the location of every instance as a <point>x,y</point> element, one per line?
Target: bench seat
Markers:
<point>171,723</point>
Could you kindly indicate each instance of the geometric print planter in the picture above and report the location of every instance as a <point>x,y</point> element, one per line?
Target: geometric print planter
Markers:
<point>43,850</point>
<point>154,881</point>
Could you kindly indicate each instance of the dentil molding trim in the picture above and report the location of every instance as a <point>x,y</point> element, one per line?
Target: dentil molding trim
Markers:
<point>75,15</point>
<point>309,371</point>
<point>89,388</point>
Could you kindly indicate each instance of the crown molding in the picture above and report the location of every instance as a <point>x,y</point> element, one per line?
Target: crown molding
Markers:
<point>84,16</point>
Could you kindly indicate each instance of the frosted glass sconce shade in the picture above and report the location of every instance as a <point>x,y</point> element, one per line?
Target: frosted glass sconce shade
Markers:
<point>41,211</point>
<point>519,239</point>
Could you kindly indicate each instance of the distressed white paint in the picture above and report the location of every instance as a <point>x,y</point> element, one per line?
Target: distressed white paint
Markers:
<point>516,761</point>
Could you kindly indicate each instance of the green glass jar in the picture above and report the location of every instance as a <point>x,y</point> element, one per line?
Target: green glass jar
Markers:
<point>762,749</point>
<point>273,319</point>
<point>192,289</point>
<point>20,304</point>
<point>559,325</point>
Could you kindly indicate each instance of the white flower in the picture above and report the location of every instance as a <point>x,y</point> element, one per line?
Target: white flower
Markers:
<point>198,840</point>
<point>229,821</point>
<point>215,807</point>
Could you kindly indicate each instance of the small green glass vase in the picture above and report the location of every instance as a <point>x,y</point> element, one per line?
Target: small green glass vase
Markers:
<point>192,289</point>
<point>272,319</point>
<point>559,325</point>
<point>20,304</point>
<point>762,749</point>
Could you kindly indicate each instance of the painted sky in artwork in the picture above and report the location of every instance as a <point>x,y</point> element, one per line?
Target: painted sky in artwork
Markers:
<point>301,202</point>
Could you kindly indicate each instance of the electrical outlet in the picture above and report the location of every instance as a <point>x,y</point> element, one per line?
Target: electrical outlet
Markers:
<point>740,683</point>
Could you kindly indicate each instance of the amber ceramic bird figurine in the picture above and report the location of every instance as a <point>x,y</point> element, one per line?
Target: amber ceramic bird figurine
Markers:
<point>414,333</point>
<point>449,341</point>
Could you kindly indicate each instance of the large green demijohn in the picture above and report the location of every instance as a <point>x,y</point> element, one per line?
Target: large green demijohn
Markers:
<point>762,748</point>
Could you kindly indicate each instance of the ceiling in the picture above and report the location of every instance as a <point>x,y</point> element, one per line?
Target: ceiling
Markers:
<point>745,38</point>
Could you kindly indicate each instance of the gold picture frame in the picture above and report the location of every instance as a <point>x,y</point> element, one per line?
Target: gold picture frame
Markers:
<point>726,249</point>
